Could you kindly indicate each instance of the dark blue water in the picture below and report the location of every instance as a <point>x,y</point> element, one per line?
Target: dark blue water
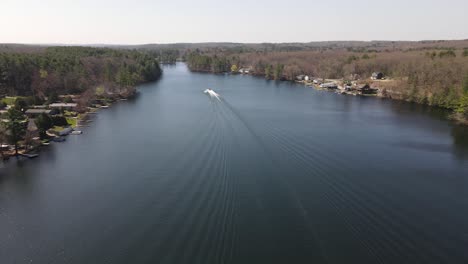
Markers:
<point>273,173</point>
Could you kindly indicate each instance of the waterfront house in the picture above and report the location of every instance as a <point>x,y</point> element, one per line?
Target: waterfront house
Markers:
<point>330,85</point>
<point>366,89</point>
<point>67,106</point>
<point>4,147</point>
<point>300,77</point>
<point>36,112</point>
<point>377,76</point>
<point>72,97</point>
<point>245,70</point>
<point>39,106</point>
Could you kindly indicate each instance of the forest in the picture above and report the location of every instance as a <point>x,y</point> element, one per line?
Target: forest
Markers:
<point>73,70</point>
<point>425,73</point>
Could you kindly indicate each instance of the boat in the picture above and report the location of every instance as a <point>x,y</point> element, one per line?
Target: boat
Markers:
<point>212,94</point>
<point>76,132</point>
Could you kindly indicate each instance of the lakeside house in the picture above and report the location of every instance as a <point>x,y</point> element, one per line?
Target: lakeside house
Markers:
<point>303,77</point>
<point>245,70</point>
<point>300,77</point>
<point>330,85</point>
<point>67,106</point>
<point>377,76</point>
<point>73,97</point>
<point>37,112</point>
<point>39,106</point>
<point>317,81</point>
<point>366,89</point>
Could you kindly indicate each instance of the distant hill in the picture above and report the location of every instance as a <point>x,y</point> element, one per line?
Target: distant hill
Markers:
<point>248,47</point>
<point>21,48</point>
<point>293,46</point>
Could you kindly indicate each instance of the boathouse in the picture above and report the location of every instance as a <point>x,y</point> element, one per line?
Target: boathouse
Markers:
<point>366,89</point>
<point>377,76</point>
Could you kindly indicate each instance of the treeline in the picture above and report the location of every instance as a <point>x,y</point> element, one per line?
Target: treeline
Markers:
<point>74,70</point>
<point>436,77</point>
<point>355,46</point>
<point>167,56</point>
<point>197,61</point>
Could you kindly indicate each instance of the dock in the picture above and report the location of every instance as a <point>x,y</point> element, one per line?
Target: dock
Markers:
<point>29,156</point>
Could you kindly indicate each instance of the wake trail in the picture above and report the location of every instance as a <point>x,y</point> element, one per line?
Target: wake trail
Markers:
<point>232,116</point>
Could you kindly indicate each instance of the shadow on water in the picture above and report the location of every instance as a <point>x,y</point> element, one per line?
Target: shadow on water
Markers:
<point>412,113</point>
<point>17,175</point>
<point>407,108</point>
<point>460,141</point>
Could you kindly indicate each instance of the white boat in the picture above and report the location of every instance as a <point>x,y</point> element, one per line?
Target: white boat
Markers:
<point>212,94</point>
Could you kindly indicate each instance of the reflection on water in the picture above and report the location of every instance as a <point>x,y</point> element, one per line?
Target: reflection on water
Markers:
<point>460,141</point>
<point>459,133</point>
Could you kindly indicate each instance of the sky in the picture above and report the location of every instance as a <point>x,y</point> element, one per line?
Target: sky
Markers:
<point>248,21</point>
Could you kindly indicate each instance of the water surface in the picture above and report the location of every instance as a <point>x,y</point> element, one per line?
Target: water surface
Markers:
<point>273,173</point>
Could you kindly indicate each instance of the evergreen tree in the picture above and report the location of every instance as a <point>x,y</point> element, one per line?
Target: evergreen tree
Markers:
<point>43,123</point>
<point>268,71</point>
<point>15,127</point>
<point>278,72</point>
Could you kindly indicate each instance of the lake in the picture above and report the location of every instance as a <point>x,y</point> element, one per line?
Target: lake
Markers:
<point>274,172</point>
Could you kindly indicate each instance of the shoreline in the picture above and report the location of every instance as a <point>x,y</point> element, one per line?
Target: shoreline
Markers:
<point>452,117</point>
<point>54,136</point>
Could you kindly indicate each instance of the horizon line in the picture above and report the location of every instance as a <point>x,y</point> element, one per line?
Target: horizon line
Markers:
<point>216,42</point>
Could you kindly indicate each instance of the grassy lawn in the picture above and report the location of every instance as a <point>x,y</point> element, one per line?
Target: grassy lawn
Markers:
<point>9,100</point>
<point>69,113</point>
<point>72,121</point>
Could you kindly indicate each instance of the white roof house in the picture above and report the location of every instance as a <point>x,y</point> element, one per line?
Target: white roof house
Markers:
<point>63,105</point>
<point>37,111</point>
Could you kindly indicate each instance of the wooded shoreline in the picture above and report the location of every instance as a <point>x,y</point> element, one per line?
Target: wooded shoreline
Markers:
<point>432,73</point>
<point>44,95</point>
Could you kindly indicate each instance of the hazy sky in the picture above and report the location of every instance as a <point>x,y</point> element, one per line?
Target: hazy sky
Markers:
<point>168,21</point>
